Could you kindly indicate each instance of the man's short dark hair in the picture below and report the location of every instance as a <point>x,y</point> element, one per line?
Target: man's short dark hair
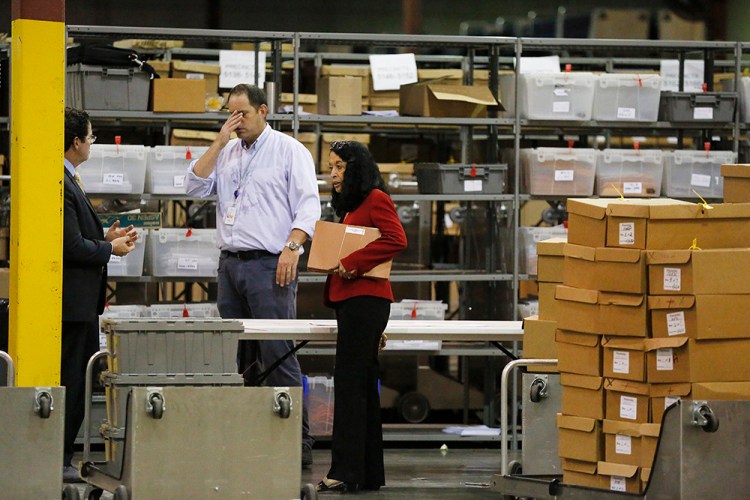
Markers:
<point>254,94</point>
<point>76,125</point>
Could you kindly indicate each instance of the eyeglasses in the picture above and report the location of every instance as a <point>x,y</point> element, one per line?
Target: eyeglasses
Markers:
<point>91,139</point>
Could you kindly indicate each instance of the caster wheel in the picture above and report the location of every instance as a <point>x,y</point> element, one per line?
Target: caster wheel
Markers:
<point>712,422</point>
<point>93,493</point>
<point>70,492</point>
<point>413,407</point>
<point>121,493</point>
<point>308,492</point>
<point>45,404</point>
<point>157,406</point>
<point>285,405</point>
<point>515,468</point>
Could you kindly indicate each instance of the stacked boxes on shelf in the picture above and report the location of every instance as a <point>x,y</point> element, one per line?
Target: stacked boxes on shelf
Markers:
<point>642,321</point>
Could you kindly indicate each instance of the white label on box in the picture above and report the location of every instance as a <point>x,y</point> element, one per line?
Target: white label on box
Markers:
<point>194,76</point>
<point>473,185</point>
<point>670,400</point>
<point>238,66</point>
<point>700,180</point>
<point>632,187</point>
<point>672,279</point>
<point>390,71</point>
<point>621,362</point>
<point>628,407</point>
<point>115,259</point>
<point>703,113</point>
<point>561,91</point>
<point>617,483</point>
<point>564,175</point>
<point>561,107</point>
<point>113,179</point>
<point>627,233</point>
<point>626,113</point>
<point>102,340</point>
<point>178,181</point>
<point>676,323</point>
<point>354,230</point>
<point>664,359</point>
<point>187,263</point>
<point>623,445</point>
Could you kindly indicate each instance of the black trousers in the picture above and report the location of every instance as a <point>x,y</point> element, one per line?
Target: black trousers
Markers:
<point>357,443</point>
<point>80,340</point>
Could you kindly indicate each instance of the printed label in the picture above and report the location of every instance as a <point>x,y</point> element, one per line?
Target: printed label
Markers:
<point>561,92</point>
<point>703,114</point>
<point>628,407</point>
<point>194,76</point>
<point>473,185</point>
<point>187,263</point>
<point>113,179</point>
<point>355,230</point>
<point>564,175</point>
<point>670,400</point>
<point>627,233</point>
<point>561,107</point>
<point>617,483</point>
<point>664,360</point>
<point>115,259</point>
<point>672,279</point>
<point>676,323</point>
<point>621,362</point>
<point>626,113</point>
<point>623,445</point>
<point>632,187</point>
<point>700,180</point>
<point>178,181</point>
<point>102,340</point>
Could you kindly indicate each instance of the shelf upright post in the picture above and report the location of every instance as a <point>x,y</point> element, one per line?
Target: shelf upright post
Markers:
<point>737,69</point>
<point>295,85</point>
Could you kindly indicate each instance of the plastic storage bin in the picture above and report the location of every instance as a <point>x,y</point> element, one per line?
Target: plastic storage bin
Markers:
<point>699,171</point>
<point>559,171</point>
<point>708,107</point>
<point>455,178</point>
<point>112,89</point>
<point>528,237</point>
<point>117,311</point>
<point>167,167</point>
<point>629,172</point>
<point>627,97</point>
<point>182,252</point>
<point>113,168</point>
<point>319,399</point>
<point>556,96</point>
<point>200,310</point>
<point>132,263</point>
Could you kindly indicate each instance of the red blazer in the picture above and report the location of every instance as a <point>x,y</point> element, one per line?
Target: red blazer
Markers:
<point>377,210</point>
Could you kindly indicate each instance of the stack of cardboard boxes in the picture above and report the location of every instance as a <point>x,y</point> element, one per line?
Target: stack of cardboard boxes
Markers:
<point>642,320</point>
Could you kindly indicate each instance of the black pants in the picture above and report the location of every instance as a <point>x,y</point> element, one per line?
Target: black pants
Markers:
<point>80,340</point>
<point>357,444</point>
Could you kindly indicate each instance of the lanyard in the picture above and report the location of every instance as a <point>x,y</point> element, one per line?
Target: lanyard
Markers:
<point>245,169</point>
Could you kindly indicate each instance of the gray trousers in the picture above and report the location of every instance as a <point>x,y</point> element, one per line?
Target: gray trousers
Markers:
<point>247,289</point>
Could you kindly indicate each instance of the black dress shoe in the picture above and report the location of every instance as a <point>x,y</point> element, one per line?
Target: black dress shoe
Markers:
<point>307,457</point>
<point>338,487</point>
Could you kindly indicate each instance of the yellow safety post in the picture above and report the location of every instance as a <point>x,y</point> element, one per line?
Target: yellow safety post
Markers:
<point>36,170</point>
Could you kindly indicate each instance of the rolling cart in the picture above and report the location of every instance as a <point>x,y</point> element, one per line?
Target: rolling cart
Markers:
<point>32,423</point>
<point>180,425</point>
<point>701,454</point>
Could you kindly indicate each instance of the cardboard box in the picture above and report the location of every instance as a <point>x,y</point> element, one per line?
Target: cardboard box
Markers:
<point>606,269</point>
<point>362,72</point>
<point>579,353</point>
<point>700,272</point>
<point>627,400</point>
<point>440,100</point>
<point>620,23</point>
<point>624,358</point>
<point>587,223</point>
<point>178,95</point>
<point>592,311</point>
<point>673,27</point>
<point>736,183</point>
<point>384,103</point>
<point>4,282</point>
<point>581,473</point>
<point>308,102</point>
<point>187,137</point>
<point>579,438</point>
<point>582,395</point>
<point>549,308</point>
<point>620,477</point>
<point>447,76</point>
<point>550,260</point>
<point>629,443</point>
<point>209,73</point>
<point>539,343</point>
<point>5,243</point>
<point>162,68</point>
<point>665,395</point>
<point>339,95</point>
<point>681,359</point>
<point>310,141</point>
<point>699,316</point>
<point>332,242</point>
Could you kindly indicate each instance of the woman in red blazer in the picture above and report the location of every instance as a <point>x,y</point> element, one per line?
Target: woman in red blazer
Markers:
<point>362,309</point>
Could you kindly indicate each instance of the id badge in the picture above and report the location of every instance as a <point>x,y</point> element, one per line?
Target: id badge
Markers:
<point>229,217</point>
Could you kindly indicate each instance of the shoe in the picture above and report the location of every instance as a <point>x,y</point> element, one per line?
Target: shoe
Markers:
<point>70,474</point>
<point>307,457</point>
<point>336,486</point>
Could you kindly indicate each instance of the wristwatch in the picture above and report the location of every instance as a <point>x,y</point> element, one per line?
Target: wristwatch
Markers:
<point>292,245</point>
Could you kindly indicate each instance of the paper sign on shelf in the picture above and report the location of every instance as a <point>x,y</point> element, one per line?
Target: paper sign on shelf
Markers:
<point>390,71</point>
<point>544,64</point>
<point>238,66</point>
<point>692,78</point>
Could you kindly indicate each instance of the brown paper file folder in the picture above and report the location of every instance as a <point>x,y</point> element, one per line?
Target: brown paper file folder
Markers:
<point>332,242</point>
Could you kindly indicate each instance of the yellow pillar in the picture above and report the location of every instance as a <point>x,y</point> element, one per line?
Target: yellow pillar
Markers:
<point>36,218</point>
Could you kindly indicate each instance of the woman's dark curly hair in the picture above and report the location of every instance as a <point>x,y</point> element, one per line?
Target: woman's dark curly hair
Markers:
<point>362,176</point>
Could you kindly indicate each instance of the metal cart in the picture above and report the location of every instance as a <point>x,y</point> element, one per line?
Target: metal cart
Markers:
<point>32,421</point>
<point>193,433</point>
<point>702,453</point>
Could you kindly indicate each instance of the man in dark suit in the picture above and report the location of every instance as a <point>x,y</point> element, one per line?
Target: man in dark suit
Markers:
<point>86,252</point>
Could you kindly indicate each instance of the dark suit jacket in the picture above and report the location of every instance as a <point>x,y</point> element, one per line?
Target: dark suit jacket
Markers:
<point>85,257</point>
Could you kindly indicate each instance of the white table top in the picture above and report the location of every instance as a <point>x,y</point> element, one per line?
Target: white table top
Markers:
<point>325,329</point>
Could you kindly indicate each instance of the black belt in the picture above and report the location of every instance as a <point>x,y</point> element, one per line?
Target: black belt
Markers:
<point>249,254</point>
